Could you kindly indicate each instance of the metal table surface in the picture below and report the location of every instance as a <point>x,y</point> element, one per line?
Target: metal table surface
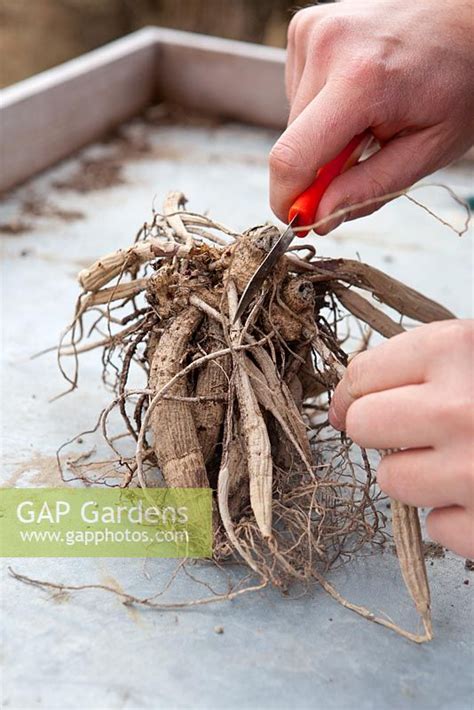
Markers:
<point>87,649</point>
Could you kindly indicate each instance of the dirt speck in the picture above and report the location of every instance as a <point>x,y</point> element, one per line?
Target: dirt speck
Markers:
<point>91,175</point>
<point>37,207</point>
<point>433,550</point>
<point>169,114</point>
<point>33,207</point>
<point>218,629</point>
<point>469,565</point>
<point>15,227</point>
<point>130,142</point>
<point>60,597</point>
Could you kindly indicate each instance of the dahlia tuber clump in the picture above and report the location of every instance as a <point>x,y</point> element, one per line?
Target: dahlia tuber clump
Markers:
<point>241,406</point>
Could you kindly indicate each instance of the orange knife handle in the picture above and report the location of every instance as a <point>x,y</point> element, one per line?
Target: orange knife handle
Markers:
<point>305,207</point>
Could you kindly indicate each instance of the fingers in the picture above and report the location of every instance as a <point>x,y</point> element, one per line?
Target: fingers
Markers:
<point>400,163</point>
<point>412,416</point>
<point>318,134</point>
<point>290,62</point>
<point>398,418</point>
<point>397,362</point>
<point>420,477</point>
<point>300,29</point>
<point>309,85</point>
<point>295,63</point>
<point>453,527</point>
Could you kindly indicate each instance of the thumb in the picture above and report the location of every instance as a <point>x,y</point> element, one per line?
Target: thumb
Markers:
<point>400,163</point>
<point>318,134</point>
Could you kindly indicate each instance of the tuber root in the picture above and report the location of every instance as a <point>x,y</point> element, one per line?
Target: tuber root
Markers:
<point>175,439</point>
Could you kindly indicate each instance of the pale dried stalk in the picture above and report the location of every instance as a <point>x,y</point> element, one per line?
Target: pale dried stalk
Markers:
<point>408,542</point>
<point>173,205</point>
<point>113,293</point>
<point>254,433</point>
<point>258,451</point>
<point>365,311</point>
<point>111,265</point>
<point>175,440</point>
<point>272,404</point>
<point>281,391</point>
<point>193,219</point>
<point>274,396</point>
<point>386,289</point>
<point>224,483</point>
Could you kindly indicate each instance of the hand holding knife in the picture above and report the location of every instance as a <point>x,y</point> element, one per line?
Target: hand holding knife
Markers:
<point>303,212</point>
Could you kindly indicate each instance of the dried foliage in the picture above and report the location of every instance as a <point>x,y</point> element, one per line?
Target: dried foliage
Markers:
<point>242,406</point>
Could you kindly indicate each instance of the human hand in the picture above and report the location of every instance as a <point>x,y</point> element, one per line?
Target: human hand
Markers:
<point>415,392</point>
<point>403,69</point>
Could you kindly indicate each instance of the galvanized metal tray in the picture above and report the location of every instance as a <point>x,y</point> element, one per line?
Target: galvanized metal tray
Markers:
<point>87,649</point>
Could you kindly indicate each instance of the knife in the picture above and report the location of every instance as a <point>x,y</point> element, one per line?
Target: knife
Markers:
<point>278,249</point>
<point>303,212</point>
<point>305,207</point>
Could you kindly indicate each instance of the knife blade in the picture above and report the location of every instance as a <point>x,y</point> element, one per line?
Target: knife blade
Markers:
<point>278,249</point>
